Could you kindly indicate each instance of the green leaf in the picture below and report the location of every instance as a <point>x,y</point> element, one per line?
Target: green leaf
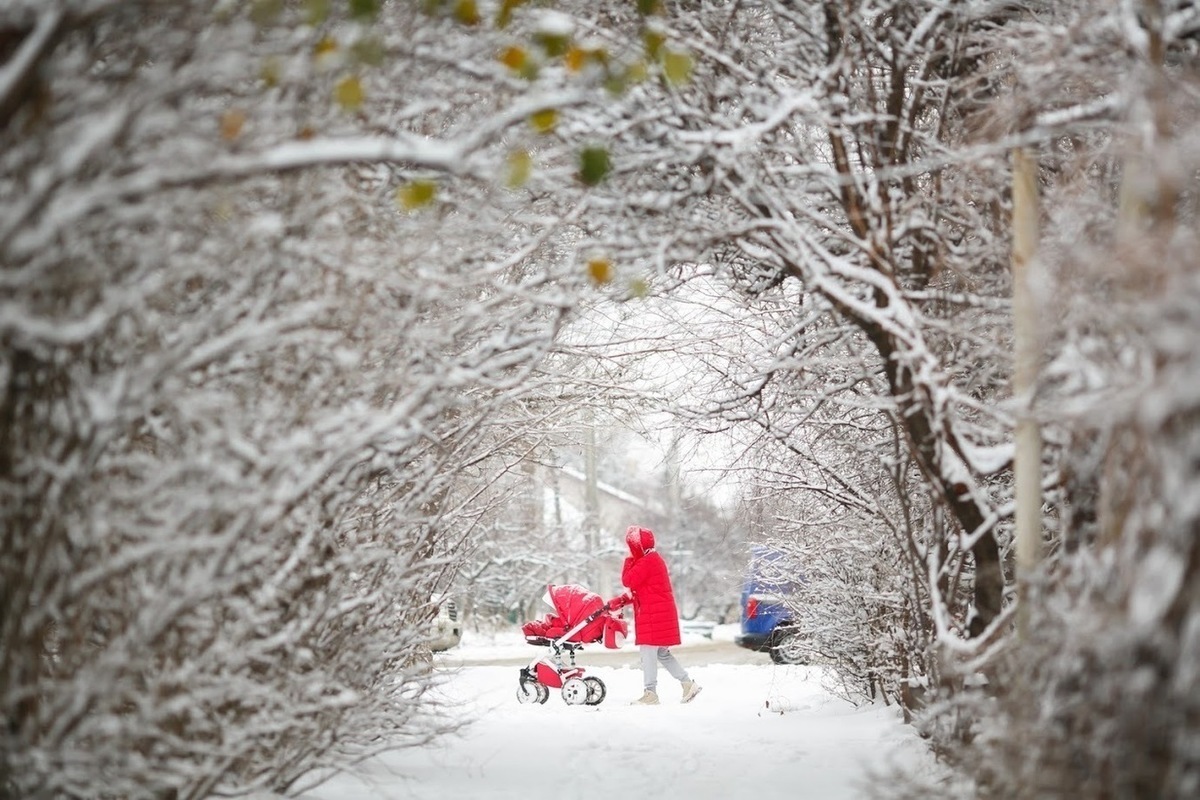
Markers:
<point>504,15</point>
<point>593,165</point>
<point>264,12</point>
<point>316,11</point>
<point>653,40</point>
<point>364,9</point>
<point>368,50</point>
<point>618,82</point>
<point>271,71</point>
<point>553,44</point>
<point>529,70</point>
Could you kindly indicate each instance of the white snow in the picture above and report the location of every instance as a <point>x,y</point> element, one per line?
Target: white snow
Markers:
<point>1159,576</point>
<point>556,23</point>
<point>756,729</point>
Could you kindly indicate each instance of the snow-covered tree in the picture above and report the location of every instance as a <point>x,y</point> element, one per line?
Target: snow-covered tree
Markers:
<point>269,311</point>
<point>285,288</point>
<point>811,176</point>
<point>1098,697</point>
<point>845,169</point>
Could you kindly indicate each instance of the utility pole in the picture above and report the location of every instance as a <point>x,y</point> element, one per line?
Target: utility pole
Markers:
<point>591,504</point>
<point>674,487</point>
<point>1027,463</point>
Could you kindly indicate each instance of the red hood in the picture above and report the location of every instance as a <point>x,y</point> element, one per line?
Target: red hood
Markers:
<point>639,540</point>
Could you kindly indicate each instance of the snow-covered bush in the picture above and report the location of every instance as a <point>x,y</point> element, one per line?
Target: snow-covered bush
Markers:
<point>1096,696</point>
<point>247,393</point>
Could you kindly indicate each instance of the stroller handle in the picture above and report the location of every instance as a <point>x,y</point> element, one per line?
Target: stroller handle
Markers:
<point>618,602</point>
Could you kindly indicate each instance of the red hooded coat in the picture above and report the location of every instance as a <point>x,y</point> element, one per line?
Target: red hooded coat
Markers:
<point>655,616</point>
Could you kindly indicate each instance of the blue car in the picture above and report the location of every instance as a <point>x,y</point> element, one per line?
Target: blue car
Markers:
<point>768,619</point>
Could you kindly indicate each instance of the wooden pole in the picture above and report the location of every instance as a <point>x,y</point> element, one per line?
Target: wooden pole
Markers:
<point>1027,463</point>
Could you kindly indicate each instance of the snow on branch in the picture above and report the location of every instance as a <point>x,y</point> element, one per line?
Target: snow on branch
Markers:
<point>20,71</point>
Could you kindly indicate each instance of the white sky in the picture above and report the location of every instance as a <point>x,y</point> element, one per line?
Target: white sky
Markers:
<point>726,744</point>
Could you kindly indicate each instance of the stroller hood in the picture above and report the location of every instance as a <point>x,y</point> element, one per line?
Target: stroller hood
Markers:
<point>573,603</point>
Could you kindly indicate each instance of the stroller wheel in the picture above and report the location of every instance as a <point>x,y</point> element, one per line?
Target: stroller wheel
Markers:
<point>530,691</point>
<point>575,692</point>
<point>595,691</point>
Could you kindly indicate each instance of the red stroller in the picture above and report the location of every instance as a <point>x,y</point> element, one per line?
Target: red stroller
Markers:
<point>581,617</point>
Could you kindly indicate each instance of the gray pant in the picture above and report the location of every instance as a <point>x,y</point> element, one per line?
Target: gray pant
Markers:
<point>651,656</point>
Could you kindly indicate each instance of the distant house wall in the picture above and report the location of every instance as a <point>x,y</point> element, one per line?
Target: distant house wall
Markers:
<point>616,511</point>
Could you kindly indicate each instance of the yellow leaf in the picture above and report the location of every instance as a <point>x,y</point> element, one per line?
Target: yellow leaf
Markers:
<point>415,194</point>
<point>349,93</point>
<point>600,270</point>
<point>232,122</point>
<point>677,67</point>
<point>224,209</point>
<point>636,72</point>
<point>325,46</point>
<point>575,58</point>
<point>544,121</point>
<point>513,57</point>
<point>519,61</point>
<point>520,167</point>
<point>466,12</point>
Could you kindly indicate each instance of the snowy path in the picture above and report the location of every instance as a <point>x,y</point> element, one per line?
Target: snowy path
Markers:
<point>756,730</point>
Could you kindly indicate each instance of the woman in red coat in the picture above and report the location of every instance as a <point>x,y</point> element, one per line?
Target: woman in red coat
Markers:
<point>655,616</point>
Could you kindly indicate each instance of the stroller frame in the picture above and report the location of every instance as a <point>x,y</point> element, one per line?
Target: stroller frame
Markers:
<point>548,671</point>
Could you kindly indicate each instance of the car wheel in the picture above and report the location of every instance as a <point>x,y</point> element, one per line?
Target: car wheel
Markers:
<point>788,647</point>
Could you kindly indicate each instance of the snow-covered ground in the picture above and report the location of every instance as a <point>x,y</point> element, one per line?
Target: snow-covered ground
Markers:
<point>756,730</point>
